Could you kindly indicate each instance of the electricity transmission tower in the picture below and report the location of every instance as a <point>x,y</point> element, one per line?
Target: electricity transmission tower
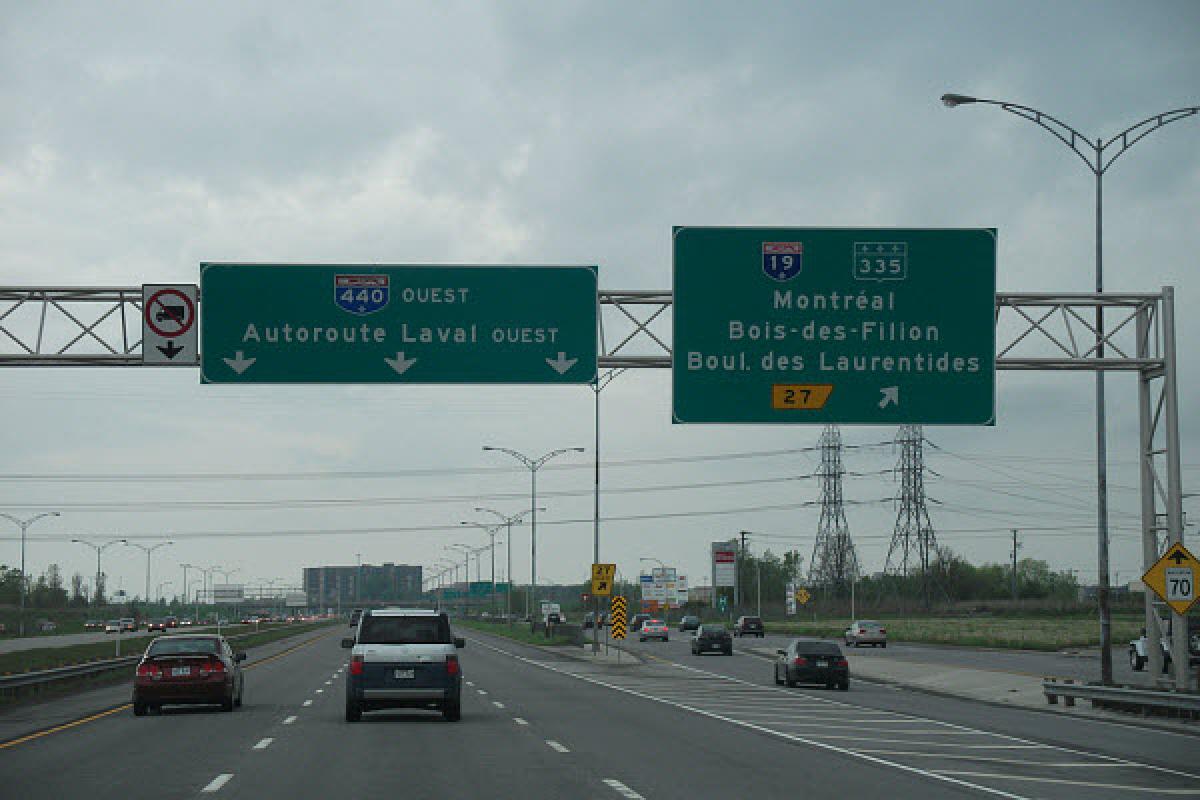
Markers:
<point>834,563</point>
<point>914,543</point>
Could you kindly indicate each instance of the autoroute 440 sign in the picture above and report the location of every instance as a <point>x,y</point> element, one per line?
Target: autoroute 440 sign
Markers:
<point>323,323</point>
<point>834,325</point>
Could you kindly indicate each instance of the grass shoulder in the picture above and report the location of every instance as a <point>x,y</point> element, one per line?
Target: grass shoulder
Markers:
<point>516,631</point>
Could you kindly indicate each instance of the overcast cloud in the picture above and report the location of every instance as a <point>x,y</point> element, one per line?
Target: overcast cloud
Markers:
<point>140,139</point>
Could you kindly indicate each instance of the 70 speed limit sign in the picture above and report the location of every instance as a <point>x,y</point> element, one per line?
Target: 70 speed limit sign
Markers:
<point>1173,578</point>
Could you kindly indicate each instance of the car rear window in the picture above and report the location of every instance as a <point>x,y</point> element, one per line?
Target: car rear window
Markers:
<point>818,648</point>
<point>181,646</point>
<point>405,630</point>
<point>752,621</point>
<point>712,629</point>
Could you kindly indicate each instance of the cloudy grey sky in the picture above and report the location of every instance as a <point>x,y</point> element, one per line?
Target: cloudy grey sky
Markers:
<point>140,139</point>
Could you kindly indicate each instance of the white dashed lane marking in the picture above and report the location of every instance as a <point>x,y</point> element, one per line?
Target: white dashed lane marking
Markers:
<point>497,704</point>
<point>264,744</point>
<point>556,747</point>
<point>519,721</point>
<point>622,789</point>
<point>307,703</point>
<point>218,782</point>
<point>319,691</point>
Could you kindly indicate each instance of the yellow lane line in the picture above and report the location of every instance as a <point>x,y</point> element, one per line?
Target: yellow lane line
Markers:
<point>127,706</point>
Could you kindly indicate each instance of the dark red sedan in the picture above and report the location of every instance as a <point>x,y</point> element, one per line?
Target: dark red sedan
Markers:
<point>188,670</point>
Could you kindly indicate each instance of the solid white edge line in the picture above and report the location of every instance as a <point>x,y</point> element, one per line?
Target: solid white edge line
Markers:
<point>289,720</point>
<point>556,747</point>
<point>218,782</point>
<point>263,744</point>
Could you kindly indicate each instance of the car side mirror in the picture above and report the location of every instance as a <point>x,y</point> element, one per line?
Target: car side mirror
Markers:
<point>781,652</point>
<point>460,642</point>
<point>239,656</point>
<point>348,642</point>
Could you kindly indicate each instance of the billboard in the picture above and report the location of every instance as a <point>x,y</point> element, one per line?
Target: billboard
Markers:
<point>229,593</point>
<point>724,558</point>
<point>295,600</point>
<point>681,591</point>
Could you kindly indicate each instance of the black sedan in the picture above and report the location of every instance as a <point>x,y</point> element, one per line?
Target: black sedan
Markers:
<point>712,639</point>
<point>689,623</point>
<point>807,661</point>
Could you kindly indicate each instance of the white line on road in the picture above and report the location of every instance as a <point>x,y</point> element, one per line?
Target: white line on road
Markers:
<point>1119,786</point>
<point>519,721</point>
<point>328,683</point>
<point>319,691</point>
<point>308,703</point>
<point>556,747</point>
<point>497,704</point>
<point>289,720</point>
<point>264,744</point>
<point>622,789</point>
<point>481,691</point>
<point>218,782</point>
<point>470,683</point>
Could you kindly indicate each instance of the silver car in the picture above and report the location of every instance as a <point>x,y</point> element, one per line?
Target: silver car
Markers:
<point>866,631</point>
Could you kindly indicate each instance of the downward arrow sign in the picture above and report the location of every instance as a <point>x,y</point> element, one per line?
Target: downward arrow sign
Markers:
<point>171,350</point>
<point>239,363</point>
<point>891,396</point>
<point>562,363</point>
<point>400,363</point>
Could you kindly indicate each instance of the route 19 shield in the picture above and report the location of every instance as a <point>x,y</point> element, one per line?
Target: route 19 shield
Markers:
<point>361,294</point>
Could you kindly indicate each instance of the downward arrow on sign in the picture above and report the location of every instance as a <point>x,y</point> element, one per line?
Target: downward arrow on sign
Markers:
<point>239,363</point>
<point>562,363</point>
<point>400,363</point>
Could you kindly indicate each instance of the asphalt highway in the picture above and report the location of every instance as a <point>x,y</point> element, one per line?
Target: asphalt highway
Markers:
<point>539,724</point>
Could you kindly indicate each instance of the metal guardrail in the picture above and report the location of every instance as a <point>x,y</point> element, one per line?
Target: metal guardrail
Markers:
<point>45,676</point>
<point>1115,696</point>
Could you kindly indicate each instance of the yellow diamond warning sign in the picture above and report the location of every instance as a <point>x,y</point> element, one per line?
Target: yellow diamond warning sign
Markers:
<point>802,596</point>
<point>1173,578</point>
<point>602,578</point>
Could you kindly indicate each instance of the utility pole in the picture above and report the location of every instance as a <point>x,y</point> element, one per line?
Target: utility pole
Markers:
<point>1016,546</point>
<point>737,573</point>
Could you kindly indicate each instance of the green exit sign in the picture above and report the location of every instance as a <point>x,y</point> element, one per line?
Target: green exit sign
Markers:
<point>873,326</point>
<point>355,323</point>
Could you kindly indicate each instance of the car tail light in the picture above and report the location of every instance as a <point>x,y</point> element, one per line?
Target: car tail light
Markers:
<point>452,667</point>
<point>841,662</point>
<point>883,630</point>
<point>800,662</point>
<point>149,670</point>
<point>214,666</point>
<point>356,665</point>
<point>861,631</point>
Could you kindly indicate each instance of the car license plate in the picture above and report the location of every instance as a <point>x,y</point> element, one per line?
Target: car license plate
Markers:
<point>822,662</point>
<point>405,674</point>
<point>180,672</point>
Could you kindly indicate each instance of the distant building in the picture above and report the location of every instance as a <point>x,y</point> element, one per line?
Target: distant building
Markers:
<point>369,583</point>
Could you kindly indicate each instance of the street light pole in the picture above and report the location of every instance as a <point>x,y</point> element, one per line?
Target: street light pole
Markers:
<point>491,531</point>
<point>509,521</point>
<point>147,551</point>
<point>533,464</point>
<point>24,524</point>
<point>99,548</point>
<point>1098,161</point>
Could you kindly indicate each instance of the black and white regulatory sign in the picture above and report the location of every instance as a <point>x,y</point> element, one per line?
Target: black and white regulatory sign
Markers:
<point>169,334</point>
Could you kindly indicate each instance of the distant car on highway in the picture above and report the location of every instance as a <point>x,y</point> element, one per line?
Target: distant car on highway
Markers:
<point>188,670</point>
<point>113,626</point>
<point>93,625</point>
<point>172,622</point>
<point>128,624</point>
<point>688,623</point>
<point>404,658</point>
<point>157,625</point>
<point>712,638</point>
<point>808,661</point>
<point>749,626</point>
<point>635,622</point>
<point>653,629</point>
<point>866,631</point>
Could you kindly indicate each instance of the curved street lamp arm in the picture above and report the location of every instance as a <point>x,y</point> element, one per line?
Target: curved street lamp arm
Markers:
<point>554,453</point>
<point>1149,124</point>
<point>25,523</point>
<point>1059,129</point>
<point>518,456</point>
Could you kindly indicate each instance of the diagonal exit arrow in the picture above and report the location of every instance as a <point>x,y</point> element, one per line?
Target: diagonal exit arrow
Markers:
<point>891,396</point>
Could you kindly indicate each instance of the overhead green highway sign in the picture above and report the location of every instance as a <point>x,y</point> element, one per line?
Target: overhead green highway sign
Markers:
<point>354,323</point>
<point>834,325</point>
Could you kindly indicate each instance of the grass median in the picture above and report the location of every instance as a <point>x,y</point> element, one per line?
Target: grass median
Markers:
<point>1007,632</point>
<point>517,632</point>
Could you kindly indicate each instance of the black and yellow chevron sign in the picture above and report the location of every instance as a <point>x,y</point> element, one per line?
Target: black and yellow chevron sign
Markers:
<point>620,618</point>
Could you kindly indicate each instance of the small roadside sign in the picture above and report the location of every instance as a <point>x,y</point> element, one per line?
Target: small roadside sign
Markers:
<point>602,578</point>
<point>169,333</point>
<point>620,618</point>
<point>802,596</point>
<point>1173,578</point>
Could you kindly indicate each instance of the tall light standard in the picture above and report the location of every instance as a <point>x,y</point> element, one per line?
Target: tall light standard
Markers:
<point>491,531</point>
<point>1098,157</point>
<point>159,593</point>
<point>533,464</point>
<point>99,548</point>
<point>147,551</point>
<point>357,579</point>
<point>24,524</point>
<point>509,521</point>
<point>186,567</point>
<point>466,551</point>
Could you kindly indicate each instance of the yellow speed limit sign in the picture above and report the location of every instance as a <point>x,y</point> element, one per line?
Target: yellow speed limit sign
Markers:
<point>1173,578</point>
<point>602,578</point>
